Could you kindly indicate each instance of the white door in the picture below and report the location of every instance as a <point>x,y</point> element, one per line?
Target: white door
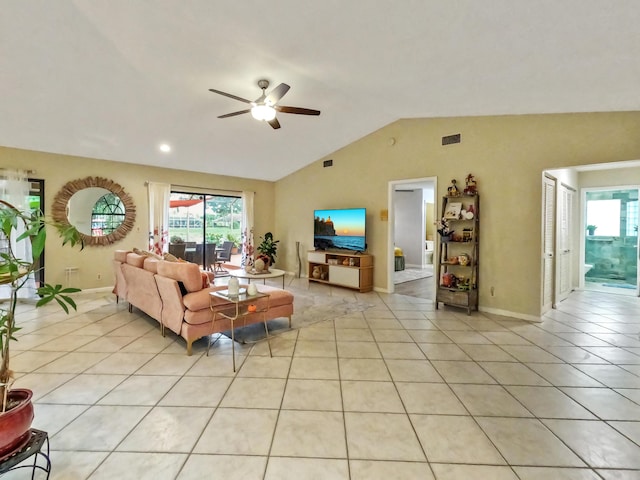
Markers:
<point>548,243</point>
<point>564,253</point>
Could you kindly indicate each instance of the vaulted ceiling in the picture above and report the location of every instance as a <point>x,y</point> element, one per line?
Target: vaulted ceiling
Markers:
<point>114,79</point>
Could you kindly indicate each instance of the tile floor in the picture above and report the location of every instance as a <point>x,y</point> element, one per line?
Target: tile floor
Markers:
<point>399,391</point>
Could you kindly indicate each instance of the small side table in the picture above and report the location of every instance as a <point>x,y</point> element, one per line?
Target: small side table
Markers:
<point>33,448</point>
<point>237,308</point>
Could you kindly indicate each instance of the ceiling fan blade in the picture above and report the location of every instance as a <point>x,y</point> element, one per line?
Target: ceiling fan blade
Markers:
<point>235,97</point>
<point>298,110</point>
<point>233,114</point>
<point>274,123</point>
<point>277,93</point>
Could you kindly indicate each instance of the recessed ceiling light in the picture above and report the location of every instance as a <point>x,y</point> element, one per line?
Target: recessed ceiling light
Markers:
<point>164,147</point>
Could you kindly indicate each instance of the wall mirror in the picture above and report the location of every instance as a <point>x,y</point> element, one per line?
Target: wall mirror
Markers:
<point>99,208</point>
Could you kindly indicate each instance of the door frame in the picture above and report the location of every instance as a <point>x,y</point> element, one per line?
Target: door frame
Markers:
<point>391,222</point>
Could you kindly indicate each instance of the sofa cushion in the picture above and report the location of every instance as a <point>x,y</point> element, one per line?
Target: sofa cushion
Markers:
<point>201,300</point>
<point>121,255</point>
<point>135,260</point>
<point>151,264</point>
<point>185,272</point>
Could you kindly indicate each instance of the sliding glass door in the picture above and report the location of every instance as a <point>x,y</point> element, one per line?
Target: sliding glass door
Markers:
<point>198,221</point>
<point>611,240</point>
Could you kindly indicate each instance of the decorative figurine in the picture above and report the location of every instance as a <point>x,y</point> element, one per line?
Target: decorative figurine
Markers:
<point>453,190</point>
<point>470,188</point>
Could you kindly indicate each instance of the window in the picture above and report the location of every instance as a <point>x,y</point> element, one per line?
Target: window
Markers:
<point>605,215</point>
<point>107,215</point>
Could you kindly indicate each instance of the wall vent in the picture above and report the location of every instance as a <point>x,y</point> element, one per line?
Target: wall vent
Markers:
<point>451,139</point>
<point>327,163</point>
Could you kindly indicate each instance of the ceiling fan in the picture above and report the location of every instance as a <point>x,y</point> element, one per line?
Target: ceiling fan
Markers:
<point>265,107</point>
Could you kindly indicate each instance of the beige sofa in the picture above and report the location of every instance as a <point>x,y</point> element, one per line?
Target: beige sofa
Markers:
<point>174,294</point>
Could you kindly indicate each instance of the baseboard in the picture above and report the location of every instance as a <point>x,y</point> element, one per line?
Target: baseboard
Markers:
<point>507,313</point>
<point>95,290</point>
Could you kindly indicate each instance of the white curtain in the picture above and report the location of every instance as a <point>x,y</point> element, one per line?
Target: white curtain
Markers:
<point>247,229</point>
<point>14,189</point>
<point>159,197</point>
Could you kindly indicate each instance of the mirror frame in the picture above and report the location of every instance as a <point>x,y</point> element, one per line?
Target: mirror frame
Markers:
<point>62,198</point>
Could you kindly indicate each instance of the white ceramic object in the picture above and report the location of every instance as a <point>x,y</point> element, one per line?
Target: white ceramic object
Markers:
<point>233,287</point>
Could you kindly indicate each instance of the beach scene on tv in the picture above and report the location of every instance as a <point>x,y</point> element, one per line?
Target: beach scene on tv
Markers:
<point>342,230</point>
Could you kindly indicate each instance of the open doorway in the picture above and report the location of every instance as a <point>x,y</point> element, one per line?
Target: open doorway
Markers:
<point>412,209</point>
<point>611,240</point>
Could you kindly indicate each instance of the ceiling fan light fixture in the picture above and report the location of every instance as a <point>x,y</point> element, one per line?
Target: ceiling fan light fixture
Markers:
<point>263,112</point>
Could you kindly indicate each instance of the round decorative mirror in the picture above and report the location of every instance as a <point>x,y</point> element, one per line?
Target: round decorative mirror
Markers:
<point>99,208</point>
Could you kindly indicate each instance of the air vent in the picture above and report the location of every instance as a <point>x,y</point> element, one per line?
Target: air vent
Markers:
<point>451,139</point>
<point>327,163</point>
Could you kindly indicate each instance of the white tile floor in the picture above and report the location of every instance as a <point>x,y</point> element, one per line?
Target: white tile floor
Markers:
<point>400,391</point>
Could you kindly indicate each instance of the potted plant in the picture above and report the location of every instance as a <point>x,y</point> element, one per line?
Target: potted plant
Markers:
<point>591,229</point>
<point>444,229</point>
<point>16,410</point>
<point>236,242</point>
<point>268,247</point>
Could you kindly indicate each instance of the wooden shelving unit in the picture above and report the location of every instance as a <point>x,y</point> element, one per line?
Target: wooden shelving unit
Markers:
<point>342,269</point>
<point>457,265</point>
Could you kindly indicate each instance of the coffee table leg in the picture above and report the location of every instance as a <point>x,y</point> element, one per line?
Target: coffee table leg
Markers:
<point>233,346</point>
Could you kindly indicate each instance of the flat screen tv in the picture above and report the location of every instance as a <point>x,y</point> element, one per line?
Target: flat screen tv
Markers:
<point>341,229</point>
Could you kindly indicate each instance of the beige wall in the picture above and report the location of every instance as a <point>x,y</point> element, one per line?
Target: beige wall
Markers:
<point>507,155</point>
<point>56,170</point>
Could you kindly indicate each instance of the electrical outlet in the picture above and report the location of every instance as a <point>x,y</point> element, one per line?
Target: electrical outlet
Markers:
<point>99,276</point>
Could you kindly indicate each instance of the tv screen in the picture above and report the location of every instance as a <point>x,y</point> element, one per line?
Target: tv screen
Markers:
<point>340,229</point>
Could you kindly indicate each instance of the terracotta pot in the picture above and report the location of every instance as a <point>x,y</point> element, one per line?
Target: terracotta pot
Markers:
<point>15,424</point>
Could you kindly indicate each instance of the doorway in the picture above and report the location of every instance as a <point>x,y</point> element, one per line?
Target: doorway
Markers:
<point>411,237</point>
<point>200,225</point>
<point>611,240</point>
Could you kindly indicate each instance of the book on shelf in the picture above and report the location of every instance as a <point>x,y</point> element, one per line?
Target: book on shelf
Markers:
<point>453,210</point>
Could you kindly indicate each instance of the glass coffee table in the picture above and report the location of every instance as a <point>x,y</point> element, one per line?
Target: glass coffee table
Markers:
<point>238,307</point>
<point>272,273</point>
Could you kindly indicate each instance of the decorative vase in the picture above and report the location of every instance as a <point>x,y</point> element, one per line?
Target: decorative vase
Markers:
<point>316,272</point>
<point>15,424</point>
<point>234,287</point>
<point>259,265</point>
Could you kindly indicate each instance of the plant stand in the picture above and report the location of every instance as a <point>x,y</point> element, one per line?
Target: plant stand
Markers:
<point>33,448</point>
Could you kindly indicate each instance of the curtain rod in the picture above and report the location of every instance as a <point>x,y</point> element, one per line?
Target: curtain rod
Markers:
<point>202,188</point>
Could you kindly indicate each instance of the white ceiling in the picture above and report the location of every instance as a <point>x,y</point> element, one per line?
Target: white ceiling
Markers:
<point>113,79</point>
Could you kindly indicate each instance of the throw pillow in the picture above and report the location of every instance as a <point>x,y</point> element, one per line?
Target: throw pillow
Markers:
<point>169,257</point>
<point>146,253</point>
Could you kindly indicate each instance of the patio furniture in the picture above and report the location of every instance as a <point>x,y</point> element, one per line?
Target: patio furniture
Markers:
<point>223,255</point>
<point>210,256</point>
<point>177,249</point>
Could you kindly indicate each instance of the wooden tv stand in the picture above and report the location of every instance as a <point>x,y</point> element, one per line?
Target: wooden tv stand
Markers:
<point>351,270</point>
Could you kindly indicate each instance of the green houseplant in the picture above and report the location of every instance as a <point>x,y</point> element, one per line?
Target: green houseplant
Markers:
<point>591,229</point>
<point>268,247</point>
<point>14,272</point>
